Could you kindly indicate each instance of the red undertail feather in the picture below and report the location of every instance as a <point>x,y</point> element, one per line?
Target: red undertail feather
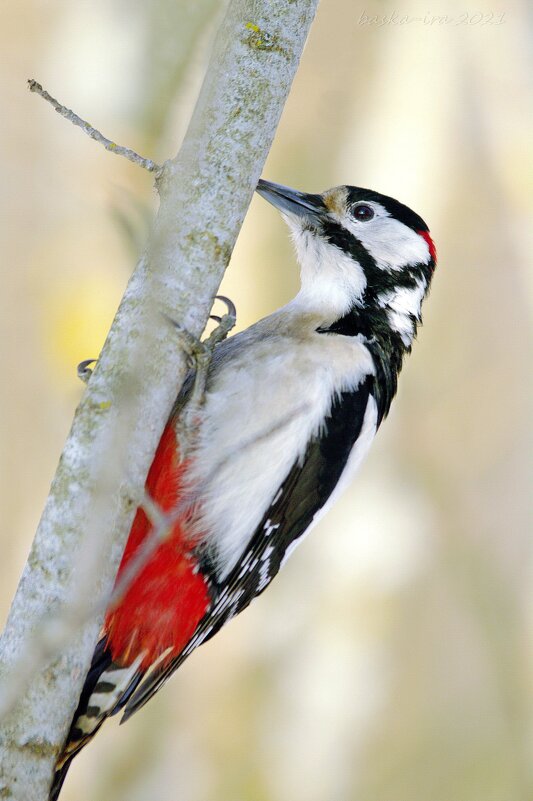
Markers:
<point>164,603</point>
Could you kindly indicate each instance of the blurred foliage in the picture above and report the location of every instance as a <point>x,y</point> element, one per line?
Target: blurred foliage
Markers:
<point>390,660</point>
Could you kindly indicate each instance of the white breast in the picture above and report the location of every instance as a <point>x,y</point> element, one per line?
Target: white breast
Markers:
<point>263,405</point>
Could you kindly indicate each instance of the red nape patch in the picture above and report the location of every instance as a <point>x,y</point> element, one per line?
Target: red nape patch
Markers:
<point>166,600</point>
<point>430,243</point>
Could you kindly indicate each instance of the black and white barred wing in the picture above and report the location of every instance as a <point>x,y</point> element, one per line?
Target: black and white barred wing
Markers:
<point>342,443</point>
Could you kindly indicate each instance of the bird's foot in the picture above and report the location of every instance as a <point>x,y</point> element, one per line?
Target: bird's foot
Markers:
<point>225,323</point>
<point>199,354</point>
<point>83,370</point>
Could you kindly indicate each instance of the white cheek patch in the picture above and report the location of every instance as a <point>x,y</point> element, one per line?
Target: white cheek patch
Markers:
<point>391,244</point>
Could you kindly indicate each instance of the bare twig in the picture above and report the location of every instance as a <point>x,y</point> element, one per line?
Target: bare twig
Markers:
<point>129,154</point>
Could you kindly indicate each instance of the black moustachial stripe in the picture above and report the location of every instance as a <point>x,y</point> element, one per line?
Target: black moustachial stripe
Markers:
<point>370,320</point>
<point>378,280</point>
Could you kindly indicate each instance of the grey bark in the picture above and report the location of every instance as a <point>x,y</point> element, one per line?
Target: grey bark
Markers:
<point>205,191</point>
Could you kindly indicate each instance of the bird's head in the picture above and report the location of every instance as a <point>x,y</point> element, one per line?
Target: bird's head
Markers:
<point>359,251</point>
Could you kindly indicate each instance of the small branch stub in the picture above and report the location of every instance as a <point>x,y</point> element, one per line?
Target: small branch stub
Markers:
<point>119,150</point>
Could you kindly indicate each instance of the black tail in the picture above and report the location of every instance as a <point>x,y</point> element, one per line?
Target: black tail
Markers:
<point>76,739</point>
<point>59,778</point>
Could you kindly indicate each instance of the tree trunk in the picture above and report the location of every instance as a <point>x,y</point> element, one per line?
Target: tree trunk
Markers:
<point>204,192</point>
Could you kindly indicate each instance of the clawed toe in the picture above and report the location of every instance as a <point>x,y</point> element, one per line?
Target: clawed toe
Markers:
<point>83,370</point>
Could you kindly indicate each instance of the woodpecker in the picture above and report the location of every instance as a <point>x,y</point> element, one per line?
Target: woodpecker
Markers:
<point>289,410</point>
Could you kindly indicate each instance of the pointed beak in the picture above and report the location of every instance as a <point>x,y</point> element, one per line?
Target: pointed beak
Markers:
<point>308,207</point>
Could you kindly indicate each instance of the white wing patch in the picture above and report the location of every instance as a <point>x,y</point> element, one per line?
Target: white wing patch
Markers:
<point>391,244</point>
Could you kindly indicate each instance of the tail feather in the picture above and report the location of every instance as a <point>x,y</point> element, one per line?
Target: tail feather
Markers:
<point>105,685</point>
<point>59,778</point>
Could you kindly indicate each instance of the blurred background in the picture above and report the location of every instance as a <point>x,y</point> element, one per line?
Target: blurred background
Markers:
<point>389,661</point>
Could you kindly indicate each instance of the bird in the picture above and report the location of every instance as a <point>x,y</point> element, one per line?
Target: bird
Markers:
<point>289,409</point>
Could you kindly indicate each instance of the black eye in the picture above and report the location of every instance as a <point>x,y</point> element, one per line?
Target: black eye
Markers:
<point>362,212</point>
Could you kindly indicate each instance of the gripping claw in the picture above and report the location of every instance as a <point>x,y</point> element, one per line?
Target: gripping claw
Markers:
<point>225,323</point>
<point>232,311</point>
<point>83,371</point>
<point>199,354</point>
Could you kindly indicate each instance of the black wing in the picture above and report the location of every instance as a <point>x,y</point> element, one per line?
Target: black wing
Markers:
<point>303,493</point>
